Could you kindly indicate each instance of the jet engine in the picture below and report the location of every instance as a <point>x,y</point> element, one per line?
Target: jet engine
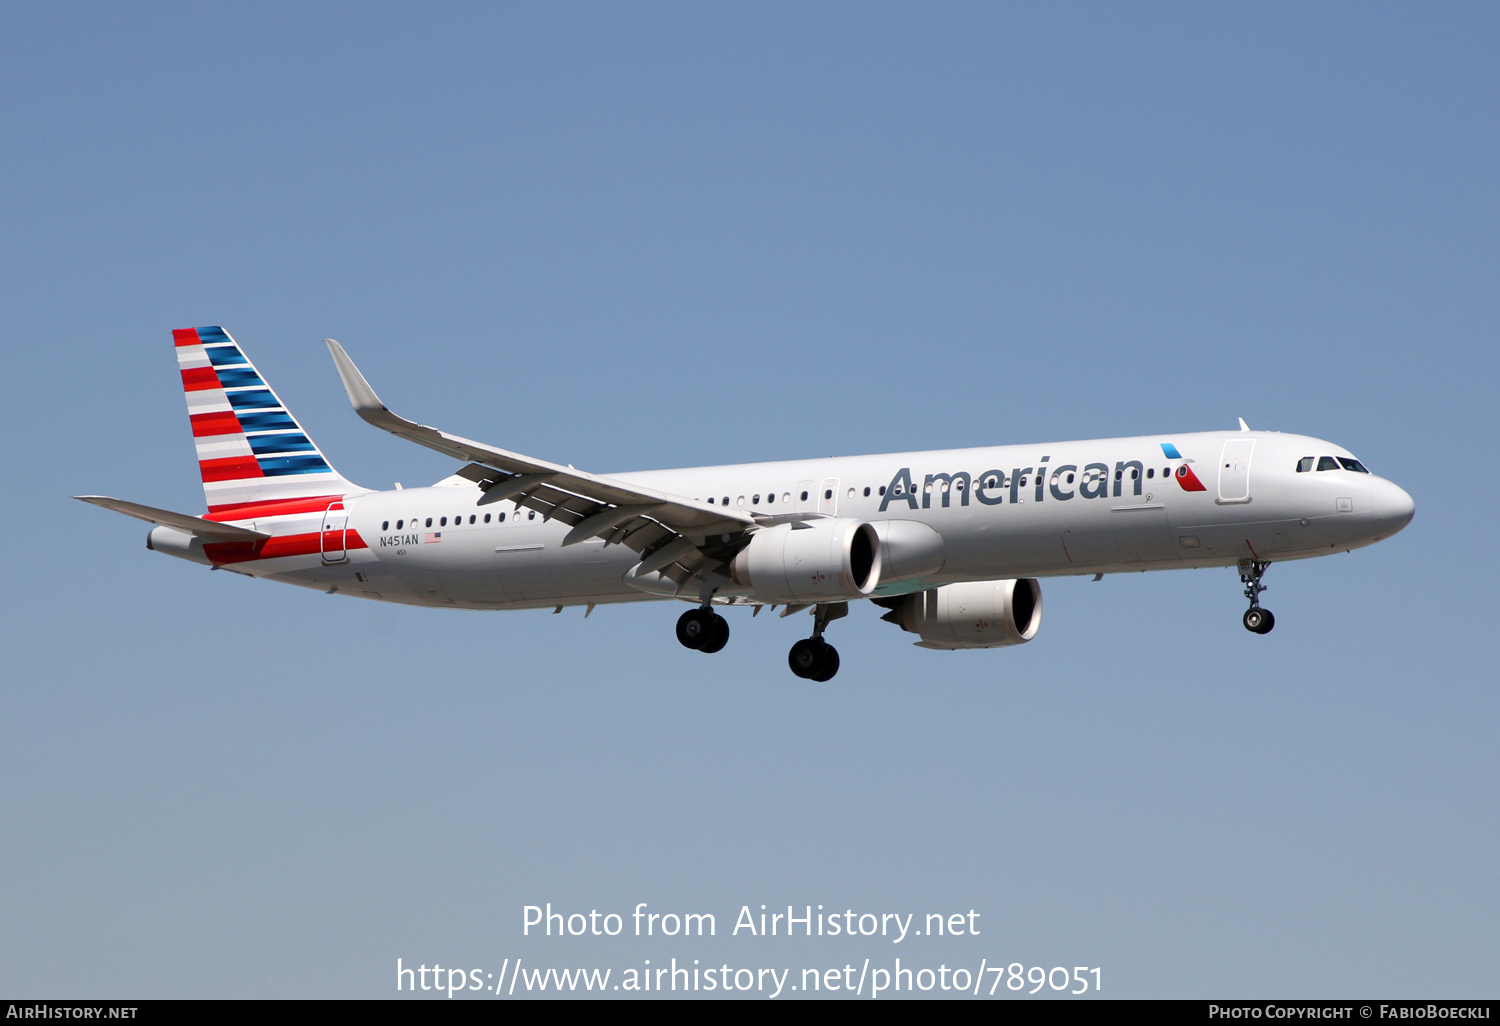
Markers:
<point>810,561</point>
<point>909,550</point>
<point>975,614</point>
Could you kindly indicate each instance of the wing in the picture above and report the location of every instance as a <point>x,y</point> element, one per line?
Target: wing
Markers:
<point>676,536</point>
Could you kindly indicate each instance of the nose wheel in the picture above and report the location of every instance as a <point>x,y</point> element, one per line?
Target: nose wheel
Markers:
<point>703,630</point>
<point>1256,619</point>
<point>1259,621</point>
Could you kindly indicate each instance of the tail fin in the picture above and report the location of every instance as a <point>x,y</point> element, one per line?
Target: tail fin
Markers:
<point>251,451</point>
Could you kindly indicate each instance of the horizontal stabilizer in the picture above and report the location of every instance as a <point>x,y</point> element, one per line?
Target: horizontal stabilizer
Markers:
<point>192,525</point>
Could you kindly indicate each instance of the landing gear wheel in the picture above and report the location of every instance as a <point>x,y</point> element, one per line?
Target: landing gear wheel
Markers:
<point>718,637</point>
<point>806,657</point>
<point>1258,620</point>
<point>813,659</point>
<point>695,628</point>
<point>830,664</point>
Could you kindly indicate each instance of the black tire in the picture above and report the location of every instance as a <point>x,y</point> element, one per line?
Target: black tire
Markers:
<point>694,628</point>
<point>718,636</point>
<point>1258,621</point>
<point>806,657</point>
<point>829,665</point>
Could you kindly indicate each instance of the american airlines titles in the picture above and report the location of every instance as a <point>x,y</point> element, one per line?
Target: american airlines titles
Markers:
<point>992,487</point>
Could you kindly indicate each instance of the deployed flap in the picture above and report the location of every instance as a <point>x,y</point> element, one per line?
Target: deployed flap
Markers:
<point>577,498</point>
<point>192,525</point>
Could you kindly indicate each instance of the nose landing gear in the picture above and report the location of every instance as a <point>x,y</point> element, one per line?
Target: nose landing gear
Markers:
<point>703,630</point>
<point>1256,619</point>
<point>813,658</point>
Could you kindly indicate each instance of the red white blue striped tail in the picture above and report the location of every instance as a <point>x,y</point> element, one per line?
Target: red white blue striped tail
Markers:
<point>251,450</point>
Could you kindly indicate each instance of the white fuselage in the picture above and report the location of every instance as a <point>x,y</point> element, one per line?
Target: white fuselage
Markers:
<point>1002,512</point>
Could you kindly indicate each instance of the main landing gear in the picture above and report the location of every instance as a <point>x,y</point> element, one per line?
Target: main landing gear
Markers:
<point>1256,619</point>
<point>703,629</point>
<point>813,658</point>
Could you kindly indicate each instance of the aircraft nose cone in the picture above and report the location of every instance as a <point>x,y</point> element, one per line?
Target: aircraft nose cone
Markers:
<point>1393,507</point>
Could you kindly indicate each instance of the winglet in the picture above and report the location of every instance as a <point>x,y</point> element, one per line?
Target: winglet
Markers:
<point>363,398</point>
<point>1243,425</point>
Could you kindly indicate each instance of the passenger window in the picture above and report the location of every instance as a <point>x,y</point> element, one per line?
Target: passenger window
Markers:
<point>1070,479</point>
<point>502,518</point>
<point>429,521</point>
<point>828,493</point>
<point>385,525</point>
<point>487,517</point>
<point>804,496</point>
<point>1134,473</point>
<point>755,499</point>
<point>1305,464</point>
<point>1150,472</point>
<point>531,514</point>
<point>443,522</point>
<point>1354,465</point>
<point>399,523</point>
<point>867,491</point>
<point>471,518</point>
<point>1327,463</point>
<point>725,501</point>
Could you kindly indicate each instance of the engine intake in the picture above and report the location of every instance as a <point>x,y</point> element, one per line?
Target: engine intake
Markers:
<point>810,561</point>
<point>975,614</point>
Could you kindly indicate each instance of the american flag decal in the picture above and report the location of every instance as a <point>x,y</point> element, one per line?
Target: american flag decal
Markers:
<point>432,537</point>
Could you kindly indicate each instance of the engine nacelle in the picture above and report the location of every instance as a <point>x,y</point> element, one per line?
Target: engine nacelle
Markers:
<point>975,614</point>
<point>810,561</point>
<point>909,550</point>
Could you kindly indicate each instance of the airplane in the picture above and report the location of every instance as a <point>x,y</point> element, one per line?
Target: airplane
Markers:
<point>951,543</point>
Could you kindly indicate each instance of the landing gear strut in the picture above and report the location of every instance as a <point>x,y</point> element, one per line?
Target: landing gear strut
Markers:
<point>813,658</point>
<point>1256,619</point>
<point>703,629</point>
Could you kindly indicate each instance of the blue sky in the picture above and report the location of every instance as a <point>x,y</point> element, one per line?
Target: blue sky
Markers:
<point>657,235</point>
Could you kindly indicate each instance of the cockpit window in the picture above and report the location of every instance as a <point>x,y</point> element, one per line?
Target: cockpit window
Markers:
<point>1327,463</point>
<point>1305,464</point>
<point>1354,465</point>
